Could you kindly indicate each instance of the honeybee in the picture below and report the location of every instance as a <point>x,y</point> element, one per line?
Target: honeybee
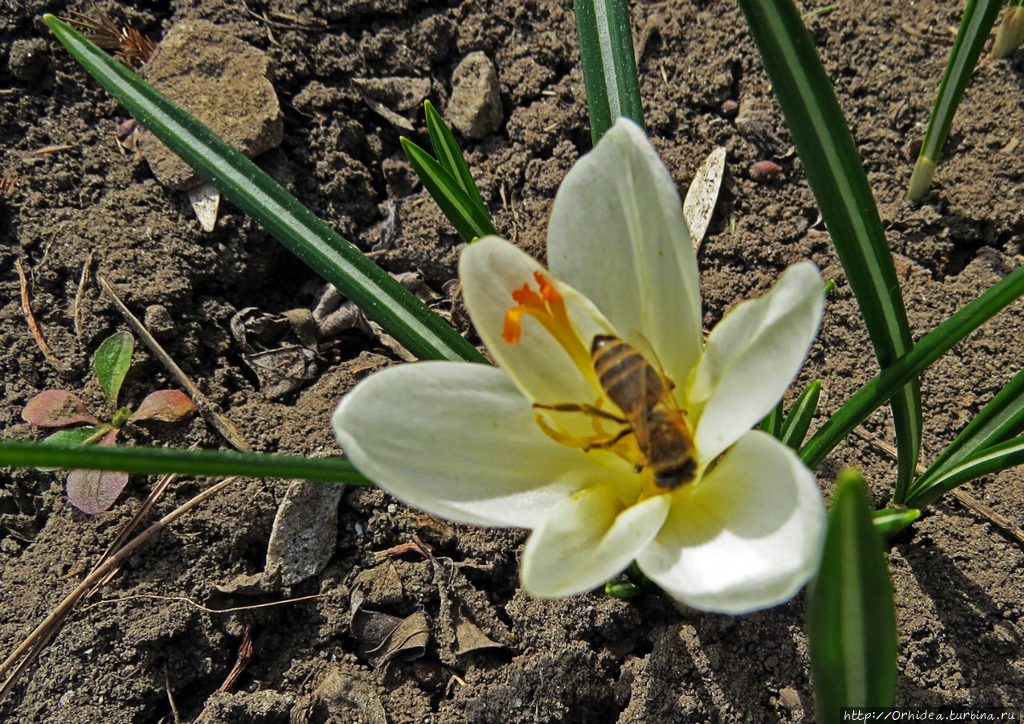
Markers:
<point>649,412</point>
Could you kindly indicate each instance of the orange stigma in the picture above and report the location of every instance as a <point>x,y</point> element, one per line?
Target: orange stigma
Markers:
<point>547,306</point>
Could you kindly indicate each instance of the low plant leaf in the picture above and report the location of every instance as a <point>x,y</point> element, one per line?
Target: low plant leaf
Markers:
<point>94,491</point>
<point>998,421</point>
<point>851,616</point>
<point>772,422</point>
<point>890,520</point>
<point>449,155</point>
<point>794,429</point>
<point>468,219</point>
<point>987,461</point>
<point>78,435</point>
<point>74,436</point>
<point>111,362</point>
<point>164,405</point>
<point>56,408</point>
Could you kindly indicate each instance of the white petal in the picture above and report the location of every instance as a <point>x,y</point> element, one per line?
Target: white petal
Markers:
<point>745,537</point>
<point>617,235</point>
<point>588,539</point>
<point>458,440</point>
<point>752,357</point>
<point>490,270</point>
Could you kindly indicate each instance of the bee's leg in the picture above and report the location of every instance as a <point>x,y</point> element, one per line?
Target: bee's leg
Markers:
<point>610,442</point>
<point>584,408</point>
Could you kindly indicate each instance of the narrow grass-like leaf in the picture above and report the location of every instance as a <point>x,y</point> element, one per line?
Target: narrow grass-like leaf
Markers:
<point>987,461</point>
<point>836,176</point>
<point>1001,419</point>
<point>851,617</point>
<point>794,429</point>
<point>141,460</point>
<point>609,66</point>
<point>384,300</point>
<point>975,26</point>
<point>111,361</point>
<point>772,422</point>
<point>469,219</point>
<point>932,346</point>
<point>889,520</point>
<point>449,155</point>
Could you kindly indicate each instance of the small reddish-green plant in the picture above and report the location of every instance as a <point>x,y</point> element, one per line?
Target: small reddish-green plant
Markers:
<point>94,491</point>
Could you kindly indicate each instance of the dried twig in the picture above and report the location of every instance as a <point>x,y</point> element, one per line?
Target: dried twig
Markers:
<point>244,657</point>
<point>37,334</point>
<point>80,293</point>
<point>968,501</point>
<point>206,408</point>
<point>199,606</point>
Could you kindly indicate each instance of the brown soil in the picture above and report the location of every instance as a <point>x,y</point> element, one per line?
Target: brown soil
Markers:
<point>142,653</point>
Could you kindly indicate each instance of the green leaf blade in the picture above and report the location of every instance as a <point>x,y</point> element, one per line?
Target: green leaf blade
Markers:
<point>851,616</point>
<point>1001,419</point>
<point>609,65</point>
<point>111,361</point>
<point>469,220</point>
<point>986,461</point>
<point>141,460</point>
<point>772,422</point>
<point>975,26</point>
<point>384,300</point>
<point>449,155</point>
<point>928,349</point>
<point>794,429</point>
<point>891,520</point>
<point>837,178</point>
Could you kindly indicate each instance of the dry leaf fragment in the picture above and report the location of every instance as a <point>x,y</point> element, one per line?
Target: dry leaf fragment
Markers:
<point>703,194</point>
<point>468,636</point>
<point>205,201</point>
<point>336,693</point>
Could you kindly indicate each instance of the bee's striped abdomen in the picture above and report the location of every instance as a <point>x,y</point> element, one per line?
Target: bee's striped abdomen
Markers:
<point>618,366</point>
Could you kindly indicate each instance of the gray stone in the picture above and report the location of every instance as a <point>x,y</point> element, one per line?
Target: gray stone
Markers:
<point>475,105</point>
<point>222,81</point>
<point>305,531</point>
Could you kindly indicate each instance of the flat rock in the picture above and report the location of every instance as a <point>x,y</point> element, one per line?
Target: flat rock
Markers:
<point>222,81</point>
<point>305,531</point>
<point>475,105</point>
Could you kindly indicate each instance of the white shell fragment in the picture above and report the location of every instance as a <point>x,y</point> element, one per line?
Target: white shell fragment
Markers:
<point>702,195</point>
<point>206,203</point>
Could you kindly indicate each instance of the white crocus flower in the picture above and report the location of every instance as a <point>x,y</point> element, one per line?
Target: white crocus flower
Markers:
<point>735,525</point>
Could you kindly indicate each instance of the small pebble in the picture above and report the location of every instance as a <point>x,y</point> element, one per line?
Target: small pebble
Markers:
<point>429,673</point>
<point>475,106</point>
<point>729,108</point>
<point>765,171</point>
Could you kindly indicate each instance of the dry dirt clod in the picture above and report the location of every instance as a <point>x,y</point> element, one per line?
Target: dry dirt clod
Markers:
<point>475,105</point>
<point>220,80</point>
<point>160,323</point>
